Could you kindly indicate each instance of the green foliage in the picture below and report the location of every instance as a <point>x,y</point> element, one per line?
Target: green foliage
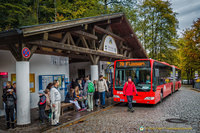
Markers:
<point>12,13</point>
<point>189,50</point>
<point>157,28</point>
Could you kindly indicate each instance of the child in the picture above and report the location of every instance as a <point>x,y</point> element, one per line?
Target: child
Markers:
<point>71,98</point>
<point>42,105</point>
<point>96,94</point>
<point>48,103</point>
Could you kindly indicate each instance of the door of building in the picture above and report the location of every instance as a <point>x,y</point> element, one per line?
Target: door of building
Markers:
<point>81,73</point>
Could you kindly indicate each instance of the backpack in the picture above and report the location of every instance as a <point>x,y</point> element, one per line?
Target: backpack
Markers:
<point>10,102</point>
<point>91,87</point>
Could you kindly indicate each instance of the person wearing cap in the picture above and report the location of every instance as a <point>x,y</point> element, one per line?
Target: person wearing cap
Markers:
<point>42,105</point>
<point>102,88</point>
<point>128,90</point>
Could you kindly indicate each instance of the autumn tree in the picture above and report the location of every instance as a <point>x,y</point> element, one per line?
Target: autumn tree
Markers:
<point>190,50</point>
<point>157,27</point>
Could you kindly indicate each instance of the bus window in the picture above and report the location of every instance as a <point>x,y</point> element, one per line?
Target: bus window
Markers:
<point>119,78</point>
<point>162,74</point>
<point>140,76</point>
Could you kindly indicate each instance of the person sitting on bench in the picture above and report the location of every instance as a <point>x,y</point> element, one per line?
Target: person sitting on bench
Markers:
<point>71,98</point>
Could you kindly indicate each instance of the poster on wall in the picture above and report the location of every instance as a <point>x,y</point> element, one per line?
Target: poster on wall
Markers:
<point>46,80</point>
<point>110,45</point>
<point>31,79</point>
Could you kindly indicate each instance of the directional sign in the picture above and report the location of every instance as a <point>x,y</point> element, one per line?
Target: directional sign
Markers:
<point>26,52</point>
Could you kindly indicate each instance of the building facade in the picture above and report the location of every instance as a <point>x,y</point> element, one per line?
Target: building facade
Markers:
<point>33,56</point>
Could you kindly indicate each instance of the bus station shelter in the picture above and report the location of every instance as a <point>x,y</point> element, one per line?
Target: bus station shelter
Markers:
<point>35,50</point>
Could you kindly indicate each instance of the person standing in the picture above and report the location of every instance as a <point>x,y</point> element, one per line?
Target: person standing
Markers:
<point>48,103</point>
<point>42,105</point>
<point>96,94</point>
<point>14,88</point>
<point>55,98</point>
<point>128,90</point>
<point>9,99</point>
<point>89,89</point>
<point>102,88</point>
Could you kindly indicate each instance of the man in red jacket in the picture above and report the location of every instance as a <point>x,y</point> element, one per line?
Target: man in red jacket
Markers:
<point>129,88</point>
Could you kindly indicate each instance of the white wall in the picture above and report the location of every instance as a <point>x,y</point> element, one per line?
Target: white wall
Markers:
<point>39,65</point>
<point>73,67</point>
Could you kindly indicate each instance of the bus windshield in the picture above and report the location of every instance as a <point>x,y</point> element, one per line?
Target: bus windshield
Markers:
<point>140,76</point>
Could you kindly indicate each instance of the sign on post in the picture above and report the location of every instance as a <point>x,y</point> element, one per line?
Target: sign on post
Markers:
<point>26,52</point>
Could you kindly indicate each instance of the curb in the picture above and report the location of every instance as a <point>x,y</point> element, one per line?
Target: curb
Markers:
<point>198,90</point>
<point>75,121</point>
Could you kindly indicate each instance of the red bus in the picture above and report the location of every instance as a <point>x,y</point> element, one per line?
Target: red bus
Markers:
<point>154,80</point>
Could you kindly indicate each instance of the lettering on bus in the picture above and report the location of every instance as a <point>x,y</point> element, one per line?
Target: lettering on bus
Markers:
<point>133,64</point>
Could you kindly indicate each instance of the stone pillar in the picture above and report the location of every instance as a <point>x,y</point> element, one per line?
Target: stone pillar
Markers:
<point>23,93</point>
<point>94,72</point>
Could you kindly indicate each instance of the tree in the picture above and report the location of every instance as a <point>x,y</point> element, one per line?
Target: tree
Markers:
<point>15,13</point>
<point>157,28</point>
<point>190,50</point>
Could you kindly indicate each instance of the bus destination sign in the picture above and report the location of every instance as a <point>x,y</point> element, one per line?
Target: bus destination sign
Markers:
<point>133,64</point>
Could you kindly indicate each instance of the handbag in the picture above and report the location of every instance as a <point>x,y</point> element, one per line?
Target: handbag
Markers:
<point>107,94</point>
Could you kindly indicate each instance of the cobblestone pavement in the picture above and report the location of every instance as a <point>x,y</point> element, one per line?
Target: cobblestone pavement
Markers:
<point>184,104</point>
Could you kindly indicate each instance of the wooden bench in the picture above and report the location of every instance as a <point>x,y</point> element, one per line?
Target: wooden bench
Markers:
<point>65,105</point>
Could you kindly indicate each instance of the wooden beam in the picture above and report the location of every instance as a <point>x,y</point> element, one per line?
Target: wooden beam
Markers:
<point>129,54</point>
<point>68,47</point>
<point>33,49</point>
<point>109,28</point>
<point>14,52</point>
<point>61,54</point>
<point>71,39</point>
<point>45,36</point>
<point>101,30</point>
<point>102,42</point>
<point>93,41</point>
<point>120,48</point>
<point>125,53</point>
<point>86,45</point>
<point>126,48</point>
<point>84,42</point>
<point>85,34</point>
<point>64,38</point>
<point>96,59</point>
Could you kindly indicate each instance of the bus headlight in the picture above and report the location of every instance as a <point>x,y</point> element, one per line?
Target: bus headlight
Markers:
<point>116,96</point>
<point>149,98</point>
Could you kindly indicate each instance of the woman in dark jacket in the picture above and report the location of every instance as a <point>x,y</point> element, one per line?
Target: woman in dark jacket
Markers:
<point>96,94</point>
<point>9,99</point>
<point>71,98</point>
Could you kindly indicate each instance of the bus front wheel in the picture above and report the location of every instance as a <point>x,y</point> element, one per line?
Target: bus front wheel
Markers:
<point>161,97</point>
<point>171,90</point>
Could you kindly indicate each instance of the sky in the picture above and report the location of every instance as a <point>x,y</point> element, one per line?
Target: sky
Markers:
<point>188,11</point>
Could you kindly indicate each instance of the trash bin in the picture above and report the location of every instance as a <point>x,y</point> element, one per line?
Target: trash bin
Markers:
<point>197,85</point>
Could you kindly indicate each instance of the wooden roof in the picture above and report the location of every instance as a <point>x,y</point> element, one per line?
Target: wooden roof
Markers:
<point>118,22</point>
